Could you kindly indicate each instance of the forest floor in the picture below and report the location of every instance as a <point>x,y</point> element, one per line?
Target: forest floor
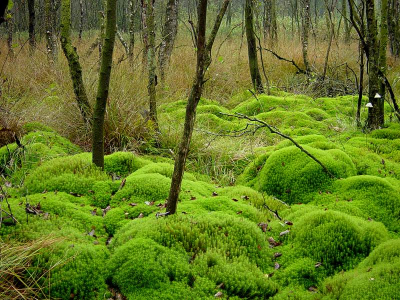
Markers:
<point>257,218</point>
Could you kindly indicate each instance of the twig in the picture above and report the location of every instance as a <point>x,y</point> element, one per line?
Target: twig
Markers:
<point>300,70</point>
<point>258,124</point>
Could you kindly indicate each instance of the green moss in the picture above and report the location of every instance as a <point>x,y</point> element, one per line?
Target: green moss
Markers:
<point>376,197</point>
<point>221,204</point>
<point>123,163</point>
<point>337,240</point>
<point>317,114</point>
<point>142,263</point>
<point>375,278</point>
<point>292,176</point>
<point>82,272</point>
<point>164,169</point>
<point>240,277</point>
<point>266,103</point>
<point>74,174</point>
<point>143,187</point>
<point>36,126</point>
<point>50,139</point>
<point>290,120</point>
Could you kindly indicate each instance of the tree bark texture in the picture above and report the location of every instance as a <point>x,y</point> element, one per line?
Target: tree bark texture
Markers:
<point>169,33</point>
<point>31,29</point>
<point>75,68</point>
<point>151,62</point>
<point>383,41</point>
<point>394,26</point>
<point>375,113</point>
<point>51,31</point>
<point>305,31</point>
<point>203,61</point>
<point>347,27</point>
<point>252,47</point>
<point>103,85</point>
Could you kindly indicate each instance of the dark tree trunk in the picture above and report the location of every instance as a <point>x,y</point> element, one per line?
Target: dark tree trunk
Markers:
<point>376,112</point>
<point>132,13</point>
<point>169,33</point>
<point>151,62</point>
<point>75,68</point>
<point>305,31</point>
<point>81,19</point>
<point>103,85</point>
<point>252,48</point>
<point>394,26</point>
<point>51,31</point>
<point>3,9</point>
<point>31,29</point>
<point>203,61</point>
<point>347,27</point>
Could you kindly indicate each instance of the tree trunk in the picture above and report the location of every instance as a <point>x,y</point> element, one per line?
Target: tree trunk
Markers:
<point>73,62</point>
<point>394,27</point>
<point>31,29</point>
<point>81,19</point>
<point>252,48</point>
<point>361,85</point>
<point>3,9</point>
<point>305,31</point>
<point>347,27</point>
<point>151,62</point>
<point>103,85</point>
<point>51,34</point>
<point>169,33</point>
<point>145,37</point>
<point>376,112</point>
<point>132,13</point>
<point>383,41</point>
<point>203,61</point>
<point>10,30</point>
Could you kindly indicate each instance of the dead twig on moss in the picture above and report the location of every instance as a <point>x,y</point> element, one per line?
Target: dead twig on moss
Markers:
<point>258,124</point>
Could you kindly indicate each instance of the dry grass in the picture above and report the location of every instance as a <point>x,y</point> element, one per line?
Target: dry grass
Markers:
<point>35,90</point>
<point>18,280</point>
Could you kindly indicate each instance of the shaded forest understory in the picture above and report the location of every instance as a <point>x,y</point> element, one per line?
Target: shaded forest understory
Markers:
<point>286,194</point>
<point>284,229</point>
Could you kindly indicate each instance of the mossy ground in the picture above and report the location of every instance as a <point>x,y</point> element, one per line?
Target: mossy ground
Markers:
<point>280,228</point>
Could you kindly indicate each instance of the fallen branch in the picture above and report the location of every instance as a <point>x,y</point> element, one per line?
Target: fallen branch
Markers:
<point>258,124</point>
<point>300,70</point>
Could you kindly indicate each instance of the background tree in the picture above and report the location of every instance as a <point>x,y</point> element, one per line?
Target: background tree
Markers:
<point>32,18</point>
<point>168,36</point>
<point>103,85</point>
<point>305,31</point>
<point>394,26</point>
<point>75,68</point>
<point>3,8</point>
<point>203,62</point>
<point>252,47</point>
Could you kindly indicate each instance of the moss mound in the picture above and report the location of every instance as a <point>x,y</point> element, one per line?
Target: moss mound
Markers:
<point>83,271</point>
<point>198,252</point>
<point>293,177</point>
<point>375,197</point>
<point>72,174</point>
<point>375,278</point>
<point>335,239</point>
<point>123,163</point>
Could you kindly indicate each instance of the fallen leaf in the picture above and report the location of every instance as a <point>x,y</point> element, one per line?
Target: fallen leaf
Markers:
<point>140,216</point>
<point>105,210</point>
<point>372,279</point>
<point>283,164</point>
<point>259,247</point>
<point>8,184</point>
<point>272,242</point>
<point>220,286</point>
<point>383,161</point>
<point>245,197</point>
<point>318,264</point>
<point>122,184</point>
<point>96,242</point>
<point>239,212</point>
<point>284,232</point>
<point>192,198</point>
<point>269,275</point>
<point>92,233</point>
<point>74,194</point>
<point>218,295</point>
<point>277,254</point>
<point>132,204</point>
<point>149,203</point>
<point>288,223</point>
<point>214,194</point>
<point>236,200</point>
<point>263,226</point>
<point>277,266</point>
<point>94,212</point>
<point>313,289</point>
